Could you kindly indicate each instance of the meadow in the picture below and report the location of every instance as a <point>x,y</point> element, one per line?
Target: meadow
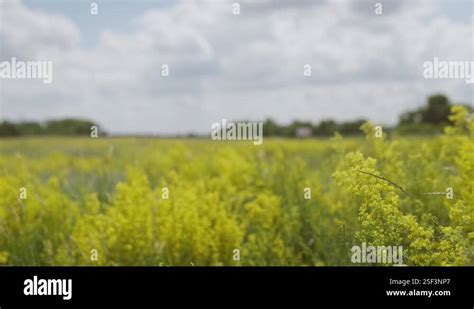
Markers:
<point>172,202</point>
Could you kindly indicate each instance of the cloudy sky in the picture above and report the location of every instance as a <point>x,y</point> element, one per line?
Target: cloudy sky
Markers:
<point>107,67</point>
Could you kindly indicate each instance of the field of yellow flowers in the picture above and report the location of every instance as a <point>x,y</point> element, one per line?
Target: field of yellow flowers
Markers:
<point>132,201</point>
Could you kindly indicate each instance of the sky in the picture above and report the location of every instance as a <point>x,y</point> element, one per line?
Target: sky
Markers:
<point>248,66</point>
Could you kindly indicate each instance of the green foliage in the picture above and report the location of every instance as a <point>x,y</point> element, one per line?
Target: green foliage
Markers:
<point>52,127</point>
<point>433,230</point>
<point>108,197</point>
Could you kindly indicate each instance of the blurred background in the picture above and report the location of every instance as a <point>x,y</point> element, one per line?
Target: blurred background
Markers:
<point>238,63</point>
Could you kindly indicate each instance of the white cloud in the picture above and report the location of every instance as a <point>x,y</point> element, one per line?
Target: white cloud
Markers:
<point>247,66</point>
<point>25,33</point>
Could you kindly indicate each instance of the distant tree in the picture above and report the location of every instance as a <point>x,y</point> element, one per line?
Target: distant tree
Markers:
<point>30,128</point>
<point>69,127</point>
<point>437,111</point>
<point>411,117</point>
<point>351,127</point>
<point>8,129</point>
<point>53,127</point>
<point>325,128</point>
<point>270,128</point>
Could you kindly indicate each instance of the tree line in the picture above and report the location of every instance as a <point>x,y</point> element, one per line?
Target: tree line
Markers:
<point>52,127</point>
<point>428,119</point>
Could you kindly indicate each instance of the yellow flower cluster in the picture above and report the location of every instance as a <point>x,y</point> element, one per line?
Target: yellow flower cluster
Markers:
<point>194,202</point>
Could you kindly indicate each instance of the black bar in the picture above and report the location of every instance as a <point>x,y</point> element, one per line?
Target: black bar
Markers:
<point>240,285</point>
